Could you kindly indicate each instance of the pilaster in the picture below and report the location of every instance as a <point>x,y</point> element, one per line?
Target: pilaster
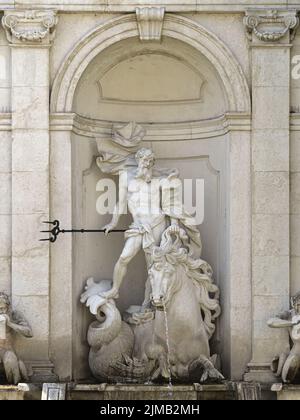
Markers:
<point>270,34</point>
<point>30,33</point>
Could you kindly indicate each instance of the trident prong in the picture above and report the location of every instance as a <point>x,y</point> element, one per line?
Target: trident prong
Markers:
<point>54,232</point>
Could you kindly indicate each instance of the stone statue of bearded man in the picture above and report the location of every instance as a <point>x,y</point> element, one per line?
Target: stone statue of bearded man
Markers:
<point>153,197</point>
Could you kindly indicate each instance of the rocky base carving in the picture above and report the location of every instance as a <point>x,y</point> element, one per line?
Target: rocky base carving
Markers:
<point>169,340</point>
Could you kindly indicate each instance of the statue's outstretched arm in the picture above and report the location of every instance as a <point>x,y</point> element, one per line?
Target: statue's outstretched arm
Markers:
<point>19,324</point>
<point>280,323</point>
<point>121,205</point>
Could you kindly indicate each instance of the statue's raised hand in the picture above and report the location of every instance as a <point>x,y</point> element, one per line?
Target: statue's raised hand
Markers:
<point>108,228</point>
<point>296,320</point>
<point>174,229</point>
<point>5,317</point>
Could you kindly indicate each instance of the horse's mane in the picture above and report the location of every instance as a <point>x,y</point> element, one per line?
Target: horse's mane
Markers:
<point>199,271</point>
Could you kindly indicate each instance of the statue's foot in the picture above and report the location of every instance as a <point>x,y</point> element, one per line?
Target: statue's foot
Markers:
<point>111,294</point>
<point>132,369</point>
<point>211,374</point>
<point>146,308</point>
<point>203,370</point>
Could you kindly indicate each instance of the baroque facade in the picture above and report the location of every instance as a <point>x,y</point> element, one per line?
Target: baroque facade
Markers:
<point>216,85</point>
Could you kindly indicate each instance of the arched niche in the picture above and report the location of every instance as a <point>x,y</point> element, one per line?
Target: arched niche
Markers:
<point>176,27</point>
<point>165,82</point>
<point>111,76</point>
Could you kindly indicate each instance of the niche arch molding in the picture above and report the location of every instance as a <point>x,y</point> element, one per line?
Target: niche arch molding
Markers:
<point>175,26</point>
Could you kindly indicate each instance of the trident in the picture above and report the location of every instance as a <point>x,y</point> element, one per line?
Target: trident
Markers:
<point>56,231</point>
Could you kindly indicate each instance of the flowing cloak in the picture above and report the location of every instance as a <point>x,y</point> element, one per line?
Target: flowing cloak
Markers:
<point>172,206</point>
<point>118,154</point>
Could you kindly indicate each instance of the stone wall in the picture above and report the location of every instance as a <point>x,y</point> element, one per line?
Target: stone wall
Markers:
<point>5,165</point>
<point>58,92</point>
<point>295,167</point>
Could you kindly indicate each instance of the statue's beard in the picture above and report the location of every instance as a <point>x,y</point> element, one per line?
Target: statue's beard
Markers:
<point>144,173</point>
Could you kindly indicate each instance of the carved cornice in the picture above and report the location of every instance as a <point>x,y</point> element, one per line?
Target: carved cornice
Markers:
<point>5,121</point>
<point>29,26</point>
<point>150,22</point>
<point>295,122</point>
<point>183,131</point>
<point>271,25</point>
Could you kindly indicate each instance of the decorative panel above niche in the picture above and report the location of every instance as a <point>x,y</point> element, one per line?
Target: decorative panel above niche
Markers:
<point>157,83</point>
<point>151,79</point>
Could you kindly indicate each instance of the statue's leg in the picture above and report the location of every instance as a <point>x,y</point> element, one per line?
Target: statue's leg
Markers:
<point>291,368</point>
<point>281,362</point>
<point>23,371</point>
<point>157,233</point>
<point>146,302</point>
<point>202,370</point>
<point>11,367</point>
<point>131,248</point>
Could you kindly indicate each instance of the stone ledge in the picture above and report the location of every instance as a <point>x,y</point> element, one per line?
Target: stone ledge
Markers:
<point>227,390</point>
<point>5,121</point>
<point>286,392</point>
<point>295,122</point>
<point>129,6</point>
<point>193,392</point>
<point>191,130</point>
<point>20,392</point>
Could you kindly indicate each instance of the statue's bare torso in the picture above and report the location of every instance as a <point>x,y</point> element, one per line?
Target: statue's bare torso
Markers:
<point>144,200</point>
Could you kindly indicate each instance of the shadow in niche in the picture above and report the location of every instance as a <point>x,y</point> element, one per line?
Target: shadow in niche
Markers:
<point>3,380</point>
<point>98,254</point>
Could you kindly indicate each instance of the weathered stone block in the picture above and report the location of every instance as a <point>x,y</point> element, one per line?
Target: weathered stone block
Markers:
<point>30,192</point>
<point>295,278</point>
<point>295,237</point>
<point>270,235</point>
<point>295,193</point>
<point>26,235</point>
<point>5,275</point>
<point>5,150</point>
<point>5,99</point>
<point>31,274</point>
<point>264,70</point>
<point>270,151</point>
<point>295,151</point>
<point>271,274</point>
<point>30,106</point>
<point>5,193</point>
<point>271,192</point>
<point>31,308</point>
<point>30,150</point>
<point>271,117</point>
<point>30,68</point>
<point>287,392</point>
<point>5,229</point>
